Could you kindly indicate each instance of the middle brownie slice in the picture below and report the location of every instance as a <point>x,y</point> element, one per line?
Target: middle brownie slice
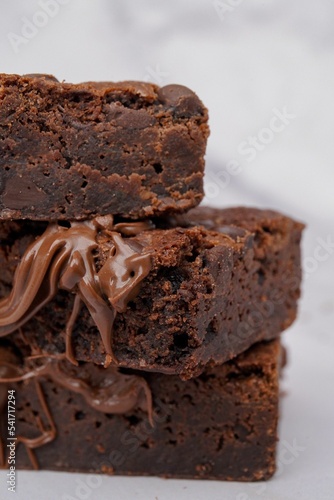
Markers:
<point>169,296</point>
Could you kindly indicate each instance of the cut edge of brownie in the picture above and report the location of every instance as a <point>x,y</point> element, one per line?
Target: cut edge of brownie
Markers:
<point>221,425</point>
<point>73,151</point>
<point>199,305</point>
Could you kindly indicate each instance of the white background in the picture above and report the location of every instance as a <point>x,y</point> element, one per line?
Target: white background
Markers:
<point>245,59</point>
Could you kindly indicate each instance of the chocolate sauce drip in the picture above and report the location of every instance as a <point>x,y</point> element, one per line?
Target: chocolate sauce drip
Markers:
<point>104,389</point>
<point>10,370</point>
<point>62,258</point>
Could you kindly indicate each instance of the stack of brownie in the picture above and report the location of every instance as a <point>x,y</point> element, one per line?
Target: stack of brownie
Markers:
<point>140,333</point>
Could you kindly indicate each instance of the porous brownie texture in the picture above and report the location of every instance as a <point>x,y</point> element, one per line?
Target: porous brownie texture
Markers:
<point>71,151</point>
<point>221,425</point>
<point>210,293</point>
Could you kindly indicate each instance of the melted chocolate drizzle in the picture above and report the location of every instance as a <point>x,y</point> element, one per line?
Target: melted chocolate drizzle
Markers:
<point>62,258</point>
<point>106,390</point>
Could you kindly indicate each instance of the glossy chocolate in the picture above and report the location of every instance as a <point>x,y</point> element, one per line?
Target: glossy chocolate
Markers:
<point>63,258</point>
<point>106,390</point>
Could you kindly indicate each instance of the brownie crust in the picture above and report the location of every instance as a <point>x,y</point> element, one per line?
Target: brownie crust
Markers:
<point>210,293</point>
<point>71,151</point>
<point>221,425</point>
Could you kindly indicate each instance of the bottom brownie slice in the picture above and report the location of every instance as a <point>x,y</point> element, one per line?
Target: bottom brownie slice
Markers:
<point>221,425</point>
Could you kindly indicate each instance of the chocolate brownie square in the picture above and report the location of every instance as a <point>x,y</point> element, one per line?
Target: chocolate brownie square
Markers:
<point>172,298</point>
<point>73,151</point>
<point>221,425</point>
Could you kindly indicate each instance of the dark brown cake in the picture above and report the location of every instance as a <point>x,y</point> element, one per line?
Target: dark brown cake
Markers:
<point>221,425</point>
<point>208,296</point>
<point>71,151</point>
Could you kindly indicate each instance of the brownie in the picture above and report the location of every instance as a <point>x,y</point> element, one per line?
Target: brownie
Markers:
<point>205,296</point>
<point>221,425</point>
<point>71,151</point>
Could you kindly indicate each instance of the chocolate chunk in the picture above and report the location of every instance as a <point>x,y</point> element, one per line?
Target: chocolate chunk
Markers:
<point>41,75</point>
<point>183,101</point>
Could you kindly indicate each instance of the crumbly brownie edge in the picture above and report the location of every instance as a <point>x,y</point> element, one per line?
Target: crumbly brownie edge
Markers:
<point>73,151</point>
<point>207,299</point>
<point>221,425</point>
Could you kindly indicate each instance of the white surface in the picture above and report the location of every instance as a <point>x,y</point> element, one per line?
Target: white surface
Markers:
<point>257,58</point>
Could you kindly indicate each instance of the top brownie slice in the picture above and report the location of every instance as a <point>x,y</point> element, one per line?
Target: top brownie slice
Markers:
<point>72,151</point>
